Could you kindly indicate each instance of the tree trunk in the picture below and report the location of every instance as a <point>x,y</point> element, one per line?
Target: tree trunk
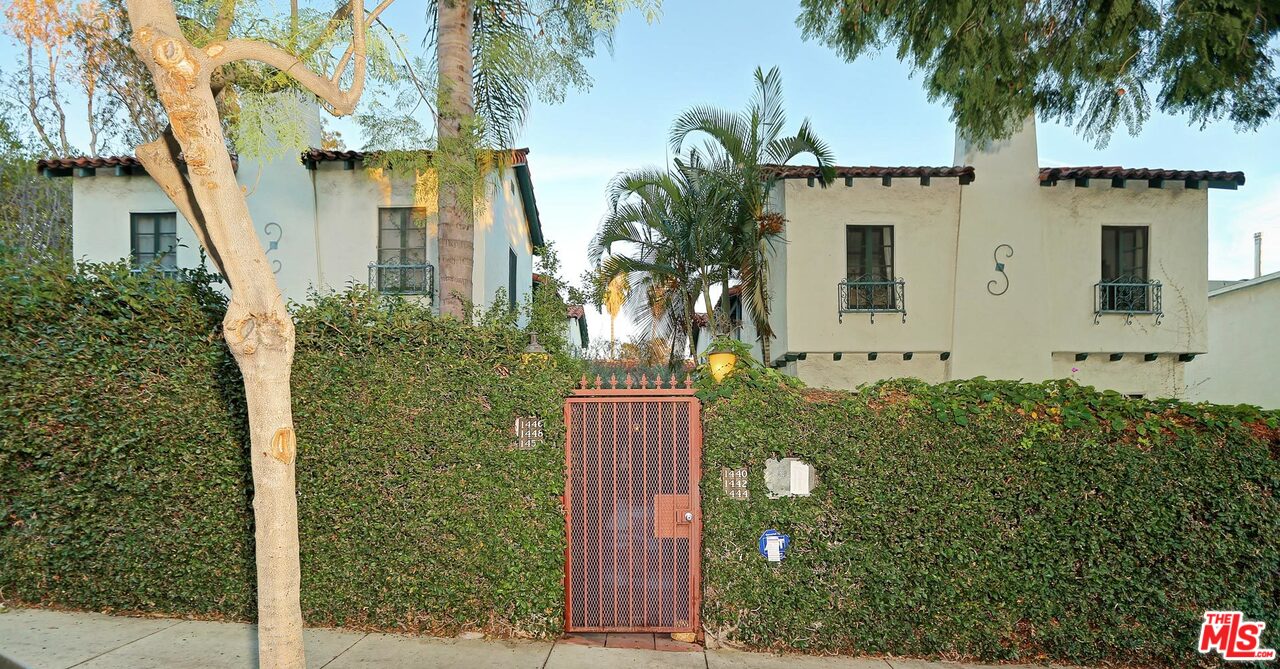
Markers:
<point>457,234</point>
<point>765,336</point>
<point>257,326</point>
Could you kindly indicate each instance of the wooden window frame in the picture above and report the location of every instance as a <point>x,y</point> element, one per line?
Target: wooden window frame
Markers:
<point>881,296</point>
<point>166,260</point>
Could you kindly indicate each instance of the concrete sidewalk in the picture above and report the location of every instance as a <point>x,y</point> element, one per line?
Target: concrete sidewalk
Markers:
<point>40,639</point>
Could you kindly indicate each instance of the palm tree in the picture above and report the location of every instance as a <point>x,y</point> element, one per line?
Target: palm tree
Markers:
<point>454,21</point>
<point>666,231</point>
<point>752,142</point>
<point>493,57</point>
<point>615,295</point>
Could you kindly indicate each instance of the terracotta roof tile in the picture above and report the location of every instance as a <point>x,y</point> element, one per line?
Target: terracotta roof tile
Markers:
<point>328,155</point>
<point>1117,172</point>
<point>99,162</point>
<point>85,161</point>
<point>576,311</point>
<point>963,172</point>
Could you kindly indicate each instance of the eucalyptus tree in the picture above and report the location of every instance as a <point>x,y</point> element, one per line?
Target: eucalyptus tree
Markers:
<point>1083,62</point>
<point>752,143</point>
<point>665,231</point>
<point>493,58</point>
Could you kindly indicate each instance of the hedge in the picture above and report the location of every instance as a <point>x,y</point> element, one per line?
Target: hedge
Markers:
<point>979,520</point>
<point>989,520</point>
<point>124,481</point>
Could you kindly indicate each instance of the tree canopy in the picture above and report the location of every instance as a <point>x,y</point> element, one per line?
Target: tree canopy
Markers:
<point>1091,63</point>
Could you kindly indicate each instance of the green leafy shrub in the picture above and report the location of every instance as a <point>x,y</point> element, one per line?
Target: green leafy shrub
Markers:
<point>990,520</point>
<point>977,519</point>
<point>124,480</point>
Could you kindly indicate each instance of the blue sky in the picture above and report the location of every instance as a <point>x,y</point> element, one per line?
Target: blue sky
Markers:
<point>870,111</point>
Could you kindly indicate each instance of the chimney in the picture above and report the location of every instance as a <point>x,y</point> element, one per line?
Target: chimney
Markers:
<point>1257,254</point>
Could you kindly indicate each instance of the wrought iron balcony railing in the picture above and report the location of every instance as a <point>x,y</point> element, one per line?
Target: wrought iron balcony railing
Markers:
<point>1129,297</point>
<point>397,279</point>
<point>872,296</point>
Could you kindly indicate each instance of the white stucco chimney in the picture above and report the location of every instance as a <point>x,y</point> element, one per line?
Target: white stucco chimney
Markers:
<point>1257,254</point>
<point>1012,158</point>
<point>1001,207</point>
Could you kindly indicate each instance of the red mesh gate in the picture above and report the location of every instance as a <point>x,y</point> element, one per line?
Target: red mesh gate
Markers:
<point>632,511</point>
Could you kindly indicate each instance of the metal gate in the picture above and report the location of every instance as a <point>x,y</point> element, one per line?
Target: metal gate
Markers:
<point>632,511</point>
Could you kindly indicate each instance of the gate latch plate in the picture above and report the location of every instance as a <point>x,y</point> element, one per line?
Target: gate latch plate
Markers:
<point>672,516</point>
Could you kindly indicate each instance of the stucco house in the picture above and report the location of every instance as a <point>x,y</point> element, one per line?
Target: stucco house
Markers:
<point>994,266</point>
<point>325,219</point>
<point>576,329</point>
<point>1243,361</point>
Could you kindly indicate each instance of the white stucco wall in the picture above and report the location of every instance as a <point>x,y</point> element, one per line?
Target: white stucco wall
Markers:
<point>854,370</point>
<point>323,222</point>
<point>573,334</point>
<point>1131,375</point>
<point>1243,362</point>
<point>100,218</point>
<point>924,220</point>
<point>1002,336</point>
<point>1178,234</point>
<point>945,236</point>
<point>501,228</point>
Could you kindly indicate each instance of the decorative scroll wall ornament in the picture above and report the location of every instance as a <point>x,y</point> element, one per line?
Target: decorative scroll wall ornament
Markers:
<point>991,285</point>
<point>273,243</point>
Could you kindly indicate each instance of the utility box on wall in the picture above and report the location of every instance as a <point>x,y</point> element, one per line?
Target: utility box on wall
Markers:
<point>789,477</point>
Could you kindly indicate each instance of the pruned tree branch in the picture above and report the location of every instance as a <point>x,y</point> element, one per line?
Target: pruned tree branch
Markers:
<point>340,102</point>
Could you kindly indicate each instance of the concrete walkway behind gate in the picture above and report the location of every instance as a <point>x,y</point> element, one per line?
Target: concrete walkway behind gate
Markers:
<point>41,639</point>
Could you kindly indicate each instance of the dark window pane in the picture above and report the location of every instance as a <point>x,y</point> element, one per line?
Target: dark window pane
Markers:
<point>402,251</point>
<point>869,269</point>
<point>154,240</point>
<point>511,277</point>
<point>1124,269</point>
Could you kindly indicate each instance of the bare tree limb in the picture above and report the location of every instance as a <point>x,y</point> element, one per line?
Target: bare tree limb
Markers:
<point>33,102</point>
<point>329,90</point>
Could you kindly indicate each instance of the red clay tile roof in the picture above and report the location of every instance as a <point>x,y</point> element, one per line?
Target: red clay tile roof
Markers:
<point>1117,172</point>
<point>85,161</point>
<point>700,320</point>
<point>576,311</point>
<point>327,155</point>
<point>963,172</point>
<point>99,162</point>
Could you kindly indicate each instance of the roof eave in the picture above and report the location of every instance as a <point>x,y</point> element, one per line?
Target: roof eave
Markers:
<point>530,204</point>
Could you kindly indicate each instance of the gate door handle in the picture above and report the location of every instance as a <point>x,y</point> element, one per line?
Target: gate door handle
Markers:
<point>672,515</point>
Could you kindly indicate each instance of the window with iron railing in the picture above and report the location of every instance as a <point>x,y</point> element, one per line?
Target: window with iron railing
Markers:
<point>402,266</point>
<point>1125,287</point>
<point>870,285</point>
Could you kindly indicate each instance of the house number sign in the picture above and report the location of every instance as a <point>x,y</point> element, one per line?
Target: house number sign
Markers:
<point>735,482</point>
<point>528,432</point>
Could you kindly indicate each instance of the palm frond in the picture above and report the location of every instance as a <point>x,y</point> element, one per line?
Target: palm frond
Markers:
<point>727,129</point>
<point>766,105</point>
<point>782,151</point>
